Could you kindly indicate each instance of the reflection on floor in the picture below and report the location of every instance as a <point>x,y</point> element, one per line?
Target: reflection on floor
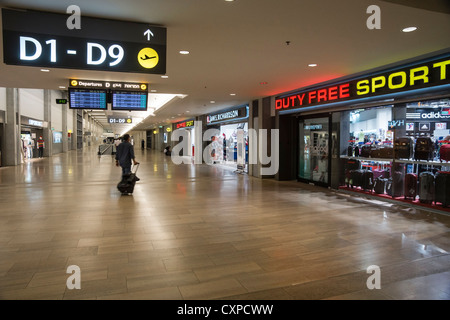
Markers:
<point>204,232</point>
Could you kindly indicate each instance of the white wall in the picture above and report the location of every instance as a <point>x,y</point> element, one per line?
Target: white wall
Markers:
<point>3,99</point>
<point>31,103</point>
<point>70,120</point>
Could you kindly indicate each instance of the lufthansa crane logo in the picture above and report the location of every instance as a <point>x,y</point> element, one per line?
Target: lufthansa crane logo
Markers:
<point>148,58</point>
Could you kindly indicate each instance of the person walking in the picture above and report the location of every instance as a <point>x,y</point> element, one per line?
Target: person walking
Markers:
<point>125,155</point>
<point>40,143</point>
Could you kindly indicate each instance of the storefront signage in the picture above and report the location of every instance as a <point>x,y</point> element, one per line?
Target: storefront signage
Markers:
<point>421,75</point>
<point>35,123</point>
<point>61,101</point>
<point>119,120</point>
<point>36,38</point>
<point>396,124</point>
<point>185,124</point>
<point>313,127</point>
<point>428,114</point>
<point>228,115</point>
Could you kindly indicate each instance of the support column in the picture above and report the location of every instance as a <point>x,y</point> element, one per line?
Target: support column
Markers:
<point>12,143</point>
<point>48,134</point>
<point>75,129</point>
<point>65,139</point>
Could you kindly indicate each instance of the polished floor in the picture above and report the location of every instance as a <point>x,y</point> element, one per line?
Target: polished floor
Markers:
<point>199,232</point>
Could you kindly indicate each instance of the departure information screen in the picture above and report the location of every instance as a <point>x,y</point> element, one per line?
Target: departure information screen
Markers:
<point>129,100</point>
<point>87,99</point>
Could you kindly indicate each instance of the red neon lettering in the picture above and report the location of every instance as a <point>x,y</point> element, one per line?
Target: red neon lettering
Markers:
<point>344,91</point>
<point>332,93</point>
<point>292,101</point>
<point>300,98</point>
<point>311,95</point>
<point>286,105</point>
<point>322,95</point>
<point>278,104</point>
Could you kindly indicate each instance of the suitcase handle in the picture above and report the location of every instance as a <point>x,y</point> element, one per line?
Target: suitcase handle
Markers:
<point>136,167</point>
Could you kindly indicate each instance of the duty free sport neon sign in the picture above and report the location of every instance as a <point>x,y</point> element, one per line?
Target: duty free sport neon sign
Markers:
<point>429,74</point>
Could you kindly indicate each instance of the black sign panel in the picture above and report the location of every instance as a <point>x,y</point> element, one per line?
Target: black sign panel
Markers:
<point>120,120</point>
<point>61,101</point>
<point>34,38</point>
<point>230,115</point>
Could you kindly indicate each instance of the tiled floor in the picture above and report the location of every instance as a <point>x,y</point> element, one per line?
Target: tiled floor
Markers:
<point>204,232</point>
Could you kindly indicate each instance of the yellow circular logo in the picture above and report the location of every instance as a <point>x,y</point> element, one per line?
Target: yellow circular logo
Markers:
<point>128,120</point>
<point>148,58</point>
<point>143,87</point>
<point>74,83</point>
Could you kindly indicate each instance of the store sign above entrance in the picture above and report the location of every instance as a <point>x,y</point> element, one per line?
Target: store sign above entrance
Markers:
<point>42,39</point>
<point>185,124</point>
<point>235,114</point>
<point>421,75</point>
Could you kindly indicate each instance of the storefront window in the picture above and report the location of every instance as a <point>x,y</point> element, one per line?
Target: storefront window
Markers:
<point>400,151</point>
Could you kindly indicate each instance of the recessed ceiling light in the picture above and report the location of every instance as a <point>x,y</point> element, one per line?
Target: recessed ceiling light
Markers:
<point>153,90</point>
<point>187,111</point>
<point>184,52</point>
<point>312,65</point>
<point>229,0</point>
<point>212,101</point>
<point>165,77</point>
<point>45,70</point>
<point>232,94</point>
<point>409,29</point>
<point>62,87</point>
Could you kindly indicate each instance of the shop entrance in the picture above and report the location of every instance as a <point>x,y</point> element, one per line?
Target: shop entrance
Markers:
<point>29,138</point>
<point>314,160</point>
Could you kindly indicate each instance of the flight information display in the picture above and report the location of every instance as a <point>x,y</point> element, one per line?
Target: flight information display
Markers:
<point>87,99</point>
<point>129,100</point>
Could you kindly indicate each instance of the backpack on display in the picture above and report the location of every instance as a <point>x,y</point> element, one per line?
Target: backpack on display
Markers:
<point>424,149</point>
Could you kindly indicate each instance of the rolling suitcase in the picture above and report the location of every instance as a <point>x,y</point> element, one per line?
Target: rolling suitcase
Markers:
<point>385,152</point>
<point>367,180</point>
<point>379,186</point>
<point>404,148</point>
<point>126,185</point>
<point>356,178</point>
<point>410,186</point>
<point>364,152</point>
<point>442,188</point>
<point>444,152</point>
<point>394,187</point>
<point>356,151</point>
<point>426,187</point>
<point>424,149</point>
<point>350,151</point>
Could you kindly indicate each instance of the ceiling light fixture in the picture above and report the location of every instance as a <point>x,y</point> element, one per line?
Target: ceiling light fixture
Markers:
<point>232,94</point>
<point>184,52</point>
<point>212,101</point>
<point>153,90</point>
<point>62,87</point>
<point>45,70</point>
<point>409,29</point>
<point>164,77</point>
<point>312,65</point>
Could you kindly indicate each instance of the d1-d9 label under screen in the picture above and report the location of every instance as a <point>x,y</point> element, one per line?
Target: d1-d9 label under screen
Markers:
<point>77,53</point>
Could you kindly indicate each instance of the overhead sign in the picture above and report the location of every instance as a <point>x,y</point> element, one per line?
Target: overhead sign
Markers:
<point>94,84</point>
<point>119,120</point>
<point>396,124</point>
<point>427,114</point>
<point>421,75</point>
<point>61,101</point>
<point>36,38</point>
<point>235,114</point>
